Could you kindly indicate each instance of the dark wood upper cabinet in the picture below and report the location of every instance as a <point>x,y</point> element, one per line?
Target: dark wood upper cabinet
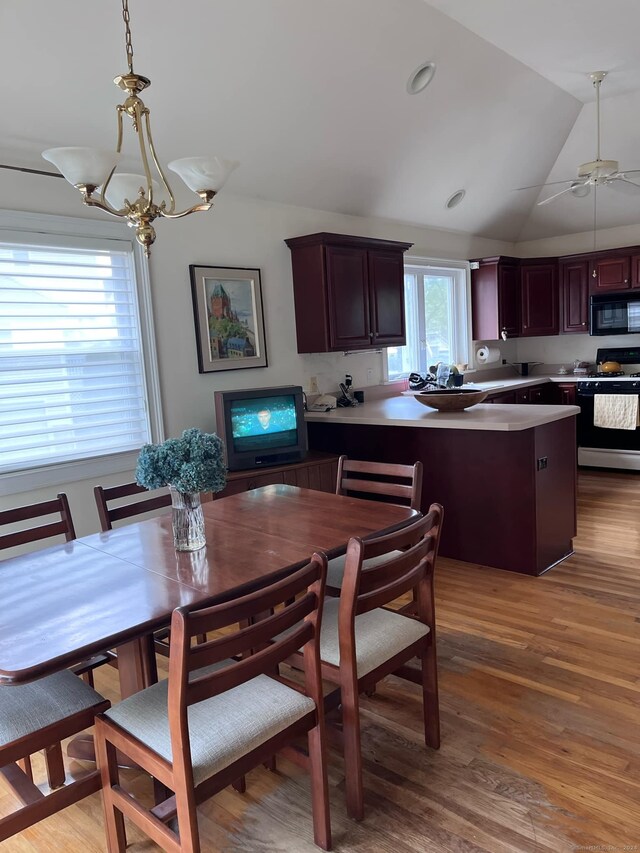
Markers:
<point>610,273</point>
<point>386,270</point>
<point>495,298</point>
<point>635,271</point>
<point>574,296</point>
<point>539,298</point>
<point>348,292</point>
<point>348,295</point>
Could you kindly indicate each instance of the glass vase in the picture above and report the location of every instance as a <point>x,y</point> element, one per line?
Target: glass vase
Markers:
<point>188,520</point>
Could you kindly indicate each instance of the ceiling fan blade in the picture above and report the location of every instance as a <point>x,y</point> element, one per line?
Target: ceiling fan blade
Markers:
<point>549,184</point>
<point>31,171</point>
<point>555,195</point>
<point>630,172</point>
<point>623,185</point>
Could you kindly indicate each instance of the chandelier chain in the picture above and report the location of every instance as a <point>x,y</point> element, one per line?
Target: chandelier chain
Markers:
<point>128,42</point>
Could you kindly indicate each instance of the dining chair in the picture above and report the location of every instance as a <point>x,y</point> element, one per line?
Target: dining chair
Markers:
<point>111,509</point>
<point>109,513</point>
<point>55,518</point>
<point>36,717</point>
<point>362,640</point>
<point>223,710</point>
<point>401,483</point>
<point>398,484</point>
<point>39,715</point>
<point>59,522</point>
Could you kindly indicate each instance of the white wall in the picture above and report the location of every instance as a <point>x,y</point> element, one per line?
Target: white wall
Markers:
<point>568,244</point>
<point>238,232</point>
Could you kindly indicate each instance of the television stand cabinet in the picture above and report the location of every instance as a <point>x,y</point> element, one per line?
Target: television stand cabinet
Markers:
<point>318,471</point>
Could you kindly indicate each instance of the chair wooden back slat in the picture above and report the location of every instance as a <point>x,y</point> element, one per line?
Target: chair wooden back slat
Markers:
<point>185,624</point>
<point>379,585</point>
<point>383,593</point>
<point>264,661</point>
<point>108,514</point>
<point>252,605</point>
<point>251,637</point>
<point>62,527</point>
<point>356,476</point>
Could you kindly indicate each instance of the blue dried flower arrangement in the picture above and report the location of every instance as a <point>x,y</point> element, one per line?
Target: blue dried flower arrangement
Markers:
<point>192,463</point>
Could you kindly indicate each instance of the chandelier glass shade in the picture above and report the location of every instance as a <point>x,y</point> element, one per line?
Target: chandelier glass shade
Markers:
<point>138,198</point>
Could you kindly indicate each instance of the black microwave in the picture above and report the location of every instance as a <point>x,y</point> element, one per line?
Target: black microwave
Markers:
<point>615,314</point>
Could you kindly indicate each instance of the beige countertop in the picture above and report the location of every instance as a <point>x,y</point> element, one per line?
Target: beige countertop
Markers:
<point>404,410</point>
<point>514,382</point>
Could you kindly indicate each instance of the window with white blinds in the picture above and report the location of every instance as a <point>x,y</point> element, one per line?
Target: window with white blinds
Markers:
<point>72,372</point>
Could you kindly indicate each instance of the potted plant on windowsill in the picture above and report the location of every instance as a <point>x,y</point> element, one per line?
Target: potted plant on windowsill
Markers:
<point>189,465</point>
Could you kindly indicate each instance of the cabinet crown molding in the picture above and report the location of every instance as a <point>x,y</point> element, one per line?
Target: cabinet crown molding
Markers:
<point>323,237</point>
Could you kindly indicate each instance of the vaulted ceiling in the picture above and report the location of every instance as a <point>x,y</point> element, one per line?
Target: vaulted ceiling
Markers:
<point>310,96</point>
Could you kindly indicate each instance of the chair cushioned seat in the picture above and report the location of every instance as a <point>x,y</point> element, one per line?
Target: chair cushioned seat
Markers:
<point>222,728</point>
<point>380,634</point>
<point>27,708</point>
<point>335,568</point>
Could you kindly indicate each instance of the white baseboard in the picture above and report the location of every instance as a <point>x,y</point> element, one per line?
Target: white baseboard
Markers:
<point>597,457</point>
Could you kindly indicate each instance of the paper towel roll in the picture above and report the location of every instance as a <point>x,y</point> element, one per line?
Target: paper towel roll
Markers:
<point>487,355</point>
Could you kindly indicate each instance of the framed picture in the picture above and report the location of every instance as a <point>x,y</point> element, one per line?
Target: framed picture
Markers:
<point>227,308</point>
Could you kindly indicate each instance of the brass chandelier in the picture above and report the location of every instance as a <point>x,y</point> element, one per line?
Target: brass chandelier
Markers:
<point>129,196</point>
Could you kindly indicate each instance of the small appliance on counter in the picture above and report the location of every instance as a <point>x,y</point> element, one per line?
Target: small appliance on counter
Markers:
<point>524,367</point>
<point>347,395</point>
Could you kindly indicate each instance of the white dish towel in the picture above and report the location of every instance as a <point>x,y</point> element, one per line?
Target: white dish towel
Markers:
<point>616,411</point>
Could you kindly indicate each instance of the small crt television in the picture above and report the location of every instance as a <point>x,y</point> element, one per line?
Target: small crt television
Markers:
<point>262,426</point>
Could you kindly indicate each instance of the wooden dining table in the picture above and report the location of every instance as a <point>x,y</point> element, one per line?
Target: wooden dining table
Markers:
<point>112,590</point>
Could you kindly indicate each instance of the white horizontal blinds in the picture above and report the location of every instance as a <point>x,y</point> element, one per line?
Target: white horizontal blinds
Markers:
<point>71,366</point>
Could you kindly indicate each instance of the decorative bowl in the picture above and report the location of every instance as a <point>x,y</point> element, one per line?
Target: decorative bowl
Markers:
<point>451,399</point>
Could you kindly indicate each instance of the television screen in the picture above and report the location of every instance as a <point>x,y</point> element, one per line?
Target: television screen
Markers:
<point>260,423</point>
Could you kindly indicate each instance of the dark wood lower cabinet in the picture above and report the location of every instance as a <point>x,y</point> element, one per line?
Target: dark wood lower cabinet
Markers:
<point>318,471</point>
<point>503,397</point>
<point>545,394</point>
<point>565,393</point>
<point>509,497</point>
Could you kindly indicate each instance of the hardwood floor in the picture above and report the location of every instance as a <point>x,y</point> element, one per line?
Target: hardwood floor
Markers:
<point>540,704</point>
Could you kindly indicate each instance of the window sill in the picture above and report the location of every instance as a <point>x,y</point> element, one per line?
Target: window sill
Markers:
<point>65,473</point>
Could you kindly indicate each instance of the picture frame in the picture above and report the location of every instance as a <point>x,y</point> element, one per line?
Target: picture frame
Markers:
<point>229,318</point>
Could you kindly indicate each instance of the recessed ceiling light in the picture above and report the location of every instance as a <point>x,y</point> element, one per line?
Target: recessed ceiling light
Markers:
<point>421,77</point>
<point>455,199</point>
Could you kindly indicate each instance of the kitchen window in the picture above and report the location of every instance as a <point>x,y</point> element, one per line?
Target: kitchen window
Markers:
<point>78,384</point>
<point>437,318</point>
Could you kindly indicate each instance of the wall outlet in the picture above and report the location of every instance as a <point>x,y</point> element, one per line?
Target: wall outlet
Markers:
<point>369,375</point>
<point>313,385</point>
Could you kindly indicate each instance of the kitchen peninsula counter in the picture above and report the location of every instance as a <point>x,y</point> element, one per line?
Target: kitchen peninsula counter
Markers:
<point>407,411</point>
<point>506,475</point>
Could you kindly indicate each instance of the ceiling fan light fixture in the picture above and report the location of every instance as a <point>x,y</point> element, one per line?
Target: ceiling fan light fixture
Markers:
<point>421,77</point>
<point>598,169</point>
<point>139,199</point>
<point>580,190</point>
<point>455,199</point>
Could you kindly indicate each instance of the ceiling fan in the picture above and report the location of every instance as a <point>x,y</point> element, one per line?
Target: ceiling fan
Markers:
<point>598,172</point>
